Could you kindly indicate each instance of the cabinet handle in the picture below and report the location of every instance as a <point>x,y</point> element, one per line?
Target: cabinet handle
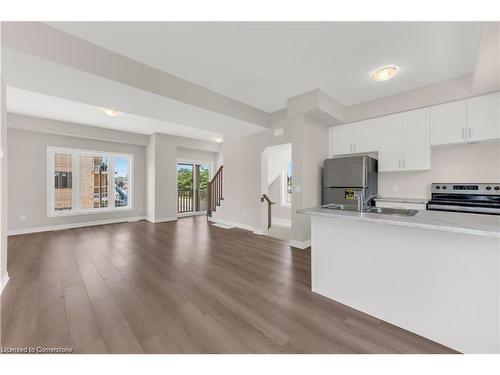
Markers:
<point>399,163</point>
<point>470,133</point>
<point>463,133</point>
<point>404,163</point>
<point>354,145</point>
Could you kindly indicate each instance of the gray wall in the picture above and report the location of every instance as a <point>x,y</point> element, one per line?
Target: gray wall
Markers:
<point>27,178</point>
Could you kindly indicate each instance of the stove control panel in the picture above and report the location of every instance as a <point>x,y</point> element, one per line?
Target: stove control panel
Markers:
<point>460,188</point>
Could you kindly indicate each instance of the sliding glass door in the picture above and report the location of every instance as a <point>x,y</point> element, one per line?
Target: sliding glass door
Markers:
<point>192,182</point>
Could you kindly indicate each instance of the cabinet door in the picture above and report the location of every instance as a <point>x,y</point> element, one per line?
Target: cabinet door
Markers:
<point>449,123</point>
<point>389,155</point>
<point>416,140</point>
<point>367,136</point>
<point>343,138</point>
<point>483,119</point>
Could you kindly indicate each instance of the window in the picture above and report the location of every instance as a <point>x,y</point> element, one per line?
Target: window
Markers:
<point>286,185</point>
<point>101,182</point>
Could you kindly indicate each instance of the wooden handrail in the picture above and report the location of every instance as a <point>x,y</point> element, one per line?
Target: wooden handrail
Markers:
<point>269,203</point>
<point>215,190</point>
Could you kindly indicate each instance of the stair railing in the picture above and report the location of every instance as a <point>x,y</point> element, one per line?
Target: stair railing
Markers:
<point>215,191</point>
<point>269,203</point>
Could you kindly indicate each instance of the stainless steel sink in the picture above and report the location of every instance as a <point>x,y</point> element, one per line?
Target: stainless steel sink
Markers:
<point>391,211</point>
<point>373,210</point>
<point>342,207</point>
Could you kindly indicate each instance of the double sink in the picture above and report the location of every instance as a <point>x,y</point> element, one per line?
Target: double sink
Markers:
<point>372,210</point>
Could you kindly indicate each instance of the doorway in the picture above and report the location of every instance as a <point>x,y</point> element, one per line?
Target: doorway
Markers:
<point>276,187</point>
<point>192,183</point>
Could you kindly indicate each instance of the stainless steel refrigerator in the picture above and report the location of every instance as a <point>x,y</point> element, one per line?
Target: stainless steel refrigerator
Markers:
<point>345,178</point>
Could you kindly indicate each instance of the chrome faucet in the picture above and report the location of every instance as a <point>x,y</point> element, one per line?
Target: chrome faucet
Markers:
<point>363,200</point>
<point>369,198</point>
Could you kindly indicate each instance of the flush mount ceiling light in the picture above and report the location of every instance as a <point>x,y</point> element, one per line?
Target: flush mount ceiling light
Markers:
<point>385,73</point>
<point>218,140</point>
<point>111,112</point>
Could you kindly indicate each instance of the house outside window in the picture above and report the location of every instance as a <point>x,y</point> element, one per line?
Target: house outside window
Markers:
<point>81,181</point>
<point>286,185</point>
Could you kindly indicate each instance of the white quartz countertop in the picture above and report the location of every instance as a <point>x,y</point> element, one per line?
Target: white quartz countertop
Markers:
<point>476,224</point>
<point>402,200</point>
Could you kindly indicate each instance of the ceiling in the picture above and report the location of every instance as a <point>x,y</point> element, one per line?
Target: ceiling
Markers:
<point>61,88</point>
<point>45,106</point>
<point>264,64</point>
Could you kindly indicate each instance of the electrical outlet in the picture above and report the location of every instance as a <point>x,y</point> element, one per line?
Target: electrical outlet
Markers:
<point>22,217</point>
<point>395,188</point>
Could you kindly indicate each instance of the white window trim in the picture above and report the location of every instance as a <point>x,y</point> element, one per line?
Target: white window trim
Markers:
<point>284,203</point>
<point>75,159</point>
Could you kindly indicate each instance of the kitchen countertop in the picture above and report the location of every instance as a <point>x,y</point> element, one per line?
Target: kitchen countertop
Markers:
<point>476,224</point>
<point>402,200</point>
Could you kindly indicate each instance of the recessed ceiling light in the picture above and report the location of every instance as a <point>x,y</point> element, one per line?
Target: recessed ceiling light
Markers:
<point>111,112</point>
<point>218,140</point>
<point>385,73</point>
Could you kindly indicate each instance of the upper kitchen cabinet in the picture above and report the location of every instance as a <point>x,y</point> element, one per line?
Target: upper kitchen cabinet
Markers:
<point>342,138</point>
<point>483,117</point>
<point>449,123</point>
<point>416,140</point>
<point>355,138</point>
<point>405,141</point>
<point>390,152</point>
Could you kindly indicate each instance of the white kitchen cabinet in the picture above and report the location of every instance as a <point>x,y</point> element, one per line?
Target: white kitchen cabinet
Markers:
<point>405,141</point>
<point>367,136</point>
<point>483,117</point>
<point>449,123</point>
<point>342,137</point>
<point>355,138</point>
<point>416,140</point>
<point>389,155</point>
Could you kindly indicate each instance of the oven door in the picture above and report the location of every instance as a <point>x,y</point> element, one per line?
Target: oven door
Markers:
<point>463,208</point>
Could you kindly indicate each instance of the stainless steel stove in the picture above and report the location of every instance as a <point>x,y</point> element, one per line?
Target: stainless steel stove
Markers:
<point>475,198</point>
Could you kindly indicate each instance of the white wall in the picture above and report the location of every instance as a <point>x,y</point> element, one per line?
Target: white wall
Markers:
<point>155,166</point>
<point>309,150</point>
<point>3,189</point>
<point>476,162</point>
<point>196,155</point>
<point>242,172</point>
<point>27,179</point>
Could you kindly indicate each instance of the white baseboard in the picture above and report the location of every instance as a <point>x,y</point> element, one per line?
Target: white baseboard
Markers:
<point>161,219</point>
<point>233,224</point>
<point>3,282</point>
<point>73,225</point>
<point>300,244</point>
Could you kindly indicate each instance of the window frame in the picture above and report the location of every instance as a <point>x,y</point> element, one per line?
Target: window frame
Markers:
<point>284,189</point>
<point>75,171</point>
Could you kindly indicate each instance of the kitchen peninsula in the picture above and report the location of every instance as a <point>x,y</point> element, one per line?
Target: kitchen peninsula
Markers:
<point>436,274</point>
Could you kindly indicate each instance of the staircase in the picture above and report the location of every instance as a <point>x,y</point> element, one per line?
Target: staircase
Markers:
<point>215,192</point>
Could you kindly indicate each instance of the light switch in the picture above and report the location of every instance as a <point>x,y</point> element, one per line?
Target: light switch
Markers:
<point>278,132</point>
<point>297,188</point>
<point>395,188</point>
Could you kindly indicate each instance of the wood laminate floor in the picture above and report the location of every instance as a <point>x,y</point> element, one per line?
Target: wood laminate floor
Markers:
<point>179,287</point>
